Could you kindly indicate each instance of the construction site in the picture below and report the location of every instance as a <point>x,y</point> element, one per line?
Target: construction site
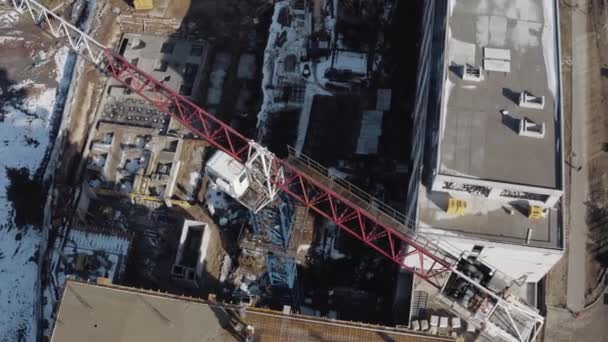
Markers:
<point>320,170</point>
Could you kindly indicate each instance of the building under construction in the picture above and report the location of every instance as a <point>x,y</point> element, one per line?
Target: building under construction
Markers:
<point>313,231</point>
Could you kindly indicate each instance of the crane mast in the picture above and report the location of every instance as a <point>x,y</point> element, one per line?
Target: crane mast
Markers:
<point>497,313</point>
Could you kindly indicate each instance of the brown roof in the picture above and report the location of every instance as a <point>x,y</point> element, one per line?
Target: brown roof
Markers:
<point>102,313</point>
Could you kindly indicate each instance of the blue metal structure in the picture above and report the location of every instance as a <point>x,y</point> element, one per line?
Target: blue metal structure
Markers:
<point>275,222</point>
<point>282,274</point>
<point>281,271</point>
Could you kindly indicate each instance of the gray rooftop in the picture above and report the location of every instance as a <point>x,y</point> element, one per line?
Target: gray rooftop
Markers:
<point>93,313</point>
<point>477,141</point>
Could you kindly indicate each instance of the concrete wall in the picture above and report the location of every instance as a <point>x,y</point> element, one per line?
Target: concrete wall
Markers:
<point>202,249</point>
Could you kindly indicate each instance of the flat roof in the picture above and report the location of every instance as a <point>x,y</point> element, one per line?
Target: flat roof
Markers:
<point>477,141</point>
<point>488,220</point>
<point>174,62</point>
<point>91,312</point>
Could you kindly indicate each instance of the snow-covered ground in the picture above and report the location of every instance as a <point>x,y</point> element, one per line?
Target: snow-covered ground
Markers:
<point>25,125</point>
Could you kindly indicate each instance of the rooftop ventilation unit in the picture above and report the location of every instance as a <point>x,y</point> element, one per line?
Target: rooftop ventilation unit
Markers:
<point>528,100</point>
<point>471,73</point>
<point>529,128</point>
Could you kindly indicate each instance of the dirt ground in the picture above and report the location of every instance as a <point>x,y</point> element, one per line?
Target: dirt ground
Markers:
<point>17,55</point>
<point>89,87</point>
<point>192,157</point>
<point>597,212</point>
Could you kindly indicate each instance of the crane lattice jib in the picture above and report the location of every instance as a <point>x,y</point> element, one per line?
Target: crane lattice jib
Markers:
<point>362,219</point>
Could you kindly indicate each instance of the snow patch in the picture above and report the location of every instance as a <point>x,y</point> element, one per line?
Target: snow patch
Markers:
<point>222,205</point>
<point>25,134</point>
<point>461,52</point>
<point>8,39</point>
<point>7,20</point>
<point>194,178</point>
<point>18,276</point>
<point>525,34</point>
<point>61,57</point>
<point>216,199</point>
<point>303,248</point>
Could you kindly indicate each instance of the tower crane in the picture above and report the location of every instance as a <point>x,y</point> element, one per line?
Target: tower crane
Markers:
<point>468,287</point>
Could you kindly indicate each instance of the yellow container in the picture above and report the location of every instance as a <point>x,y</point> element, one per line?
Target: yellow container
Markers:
<point>536,212</point>
<point>457,206</point>
<point>143,4</point>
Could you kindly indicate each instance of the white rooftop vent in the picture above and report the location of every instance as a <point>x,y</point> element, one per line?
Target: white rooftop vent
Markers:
<point>497,65</point>
<point>471,73</point>
<point>528,100</point>
<point>492,53</point>
<point>497,59</point>
<point>529,128</point>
